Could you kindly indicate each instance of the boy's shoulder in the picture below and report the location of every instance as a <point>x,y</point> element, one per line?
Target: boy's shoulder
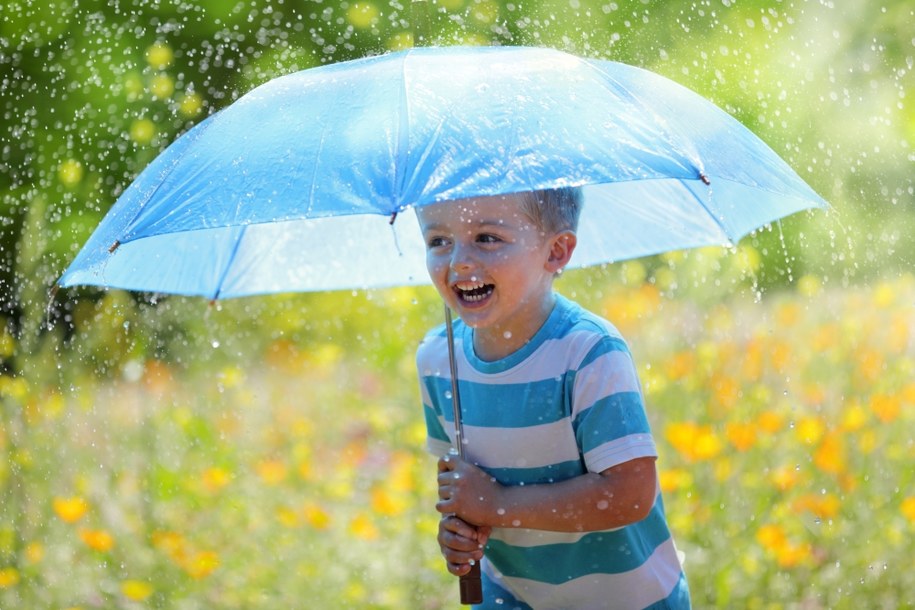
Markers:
<point>577,319</point>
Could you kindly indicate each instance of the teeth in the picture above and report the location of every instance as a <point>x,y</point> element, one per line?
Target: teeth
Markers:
<point>473,292</point>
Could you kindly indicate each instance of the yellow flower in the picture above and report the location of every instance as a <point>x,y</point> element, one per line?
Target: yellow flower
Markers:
<point>316,516</point>
<point>159,56</point>
<point>97,540</point>
<point>908,509</point>
<point>810,430</point>
<point>215,478</point>
<point>386,503</point>
<point>201,564</point>
<point>362,14</point>
<point>854,417</point>
<point>136,590</point>
<point>70,510</point>
<point>287,517</point>
<point>672,479</point>
<point>190,104</point>
<point>693,441</point>
<point>70,172</point>
<point>9,577</point>
<point>142,131</point>
<point>362,527</point>
<point>34,552</point>
<point>162,86</point>
<point>809,285</point>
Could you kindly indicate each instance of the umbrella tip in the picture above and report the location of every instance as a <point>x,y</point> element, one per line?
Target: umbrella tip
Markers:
<point>704,179</point>
<point>114,246</point>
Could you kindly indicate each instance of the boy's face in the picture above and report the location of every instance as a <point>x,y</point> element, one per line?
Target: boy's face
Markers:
<point>491,264</point>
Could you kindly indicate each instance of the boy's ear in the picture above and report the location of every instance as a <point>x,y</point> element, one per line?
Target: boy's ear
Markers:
<point>561,249</point>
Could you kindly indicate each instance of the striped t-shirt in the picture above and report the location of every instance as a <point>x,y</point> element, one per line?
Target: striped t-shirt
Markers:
<point>567,403</point>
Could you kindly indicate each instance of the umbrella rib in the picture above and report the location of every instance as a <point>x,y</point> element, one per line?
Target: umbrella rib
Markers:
<point>683,142</point>
<point>202,128</point>
<point>229,261</point>
<point>705,180</point>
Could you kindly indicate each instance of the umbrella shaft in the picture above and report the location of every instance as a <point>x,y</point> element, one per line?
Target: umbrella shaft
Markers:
<point>455,393</point>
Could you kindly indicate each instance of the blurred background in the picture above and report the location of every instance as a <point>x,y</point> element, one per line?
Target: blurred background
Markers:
<point>268,452</point>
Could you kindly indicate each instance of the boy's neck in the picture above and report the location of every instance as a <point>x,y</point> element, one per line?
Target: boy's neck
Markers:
<point>498,342</point>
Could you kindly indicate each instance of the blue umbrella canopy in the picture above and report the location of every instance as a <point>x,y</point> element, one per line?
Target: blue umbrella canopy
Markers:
<point>308,181</point>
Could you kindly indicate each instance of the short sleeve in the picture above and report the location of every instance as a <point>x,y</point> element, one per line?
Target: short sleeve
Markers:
<point>609,418</point>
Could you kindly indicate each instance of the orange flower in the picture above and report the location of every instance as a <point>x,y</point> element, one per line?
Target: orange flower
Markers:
<point>870,365</point>
<point>780,355</point>
<point>886,407</point>
<point>770,422</point>
<point>681,365</point>
<point>742,436</point>
<point>824,506</point>
<point>726,391</point>
<point>70,510</point>
<point>97,540</point>
<point>771,537</point>
<point>785,477</point>
<point>272,472</point>
<point>830,455</point>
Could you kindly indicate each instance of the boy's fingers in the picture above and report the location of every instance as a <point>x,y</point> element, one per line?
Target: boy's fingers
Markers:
<point>447,463</point>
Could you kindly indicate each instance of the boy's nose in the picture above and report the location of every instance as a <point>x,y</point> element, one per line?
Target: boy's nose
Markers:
<point>461,259</point>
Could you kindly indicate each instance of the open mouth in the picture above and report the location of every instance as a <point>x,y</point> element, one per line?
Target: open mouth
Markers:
<point>473,292</point>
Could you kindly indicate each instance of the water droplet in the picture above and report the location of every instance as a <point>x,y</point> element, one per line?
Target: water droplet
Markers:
<point>516,523</point>
<point>603,505</point>
<point>215,343</point>
<point>507,334</point>
<point>500,511</point>
<point>447,395</point>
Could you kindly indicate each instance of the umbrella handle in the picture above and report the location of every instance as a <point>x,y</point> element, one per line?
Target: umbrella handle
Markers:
<point>471,583</point>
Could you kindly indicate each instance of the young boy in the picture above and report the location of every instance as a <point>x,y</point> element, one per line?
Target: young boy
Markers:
<point>559,482</point>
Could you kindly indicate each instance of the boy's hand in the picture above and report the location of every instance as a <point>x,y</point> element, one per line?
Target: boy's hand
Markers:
<point>461,543</point>
<point>467,491</point>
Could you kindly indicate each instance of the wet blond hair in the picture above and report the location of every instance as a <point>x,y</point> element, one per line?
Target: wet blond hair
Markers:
<point>553,210</point>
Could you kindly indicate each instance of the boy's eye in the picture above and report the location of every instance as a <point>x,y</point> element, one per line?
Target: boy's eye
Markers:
<point>488,238</point>
<point>435,242</point>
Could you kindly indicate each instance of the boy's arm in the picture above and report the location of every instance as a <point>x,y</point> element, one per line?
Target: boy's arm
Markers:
<point>616,497</point>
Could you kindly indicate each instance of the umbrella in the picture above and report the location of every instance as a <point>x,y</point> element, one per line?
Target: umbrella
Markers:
<point>303,183</point>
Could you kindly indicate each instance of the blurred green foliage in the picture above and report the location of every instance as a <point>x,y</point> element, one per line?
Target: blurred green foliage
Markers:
<point>92,91</point>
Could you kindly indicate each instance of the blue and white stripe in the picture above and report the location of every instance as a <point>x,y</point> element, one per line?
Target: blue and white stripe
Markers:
<point>567,403</point>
